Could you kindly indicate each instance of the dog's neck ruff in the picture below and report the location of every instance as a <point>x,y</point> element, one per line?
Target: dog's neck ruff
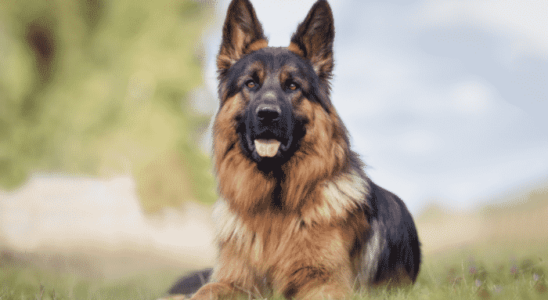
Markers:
<point>331,201</point>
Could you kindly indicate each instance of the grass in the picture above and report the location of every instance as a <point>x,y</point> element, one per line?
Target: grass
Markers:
<point>23,281</point>
<point>505,258</point>
<point>481,272</point>
<point>488,272</point>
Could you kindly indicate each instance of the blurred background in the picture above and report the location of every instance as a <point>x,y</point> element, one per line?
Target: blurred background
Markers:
<point>105,109</point>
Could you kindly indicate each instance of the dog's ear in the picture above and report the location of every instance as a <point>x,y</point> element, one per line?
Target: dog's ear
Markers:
<point>313,39</point>
<point>242,34</point>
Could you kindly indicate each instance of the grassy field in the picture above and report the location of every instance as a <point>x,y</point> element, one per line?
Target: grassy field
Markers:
<point>464,274</point>
<point>496,252</point>
<point>493,271</point>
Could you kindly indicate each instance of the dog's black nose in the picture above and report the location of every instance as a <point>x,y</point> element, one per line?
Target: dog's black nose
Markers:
<point>268,112</point>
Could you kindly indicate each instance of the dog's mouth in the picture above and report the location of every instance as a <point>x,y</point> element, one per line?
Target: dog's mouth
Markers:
<point>267,148</point>
<point>272,145</point>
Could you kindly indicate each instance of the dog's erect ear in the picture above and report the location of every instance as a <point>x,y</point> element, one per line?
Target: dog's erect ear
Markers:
<point>242,34</point>
<point>313,39</point>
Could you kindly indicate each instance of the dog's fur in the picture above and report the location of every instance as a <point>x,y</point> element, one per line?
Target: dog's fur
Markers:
<point>306,223</point>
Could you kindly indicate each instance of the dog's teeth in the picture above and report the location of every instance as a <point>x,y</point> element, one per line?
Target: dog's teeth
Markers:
<point>267,148</point>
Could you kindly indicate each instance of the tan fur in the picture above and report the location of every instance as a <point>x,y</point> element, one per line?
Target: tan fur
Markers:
<point>261,247</point>
<point>323,65</point>
<point>264,252</point>
<point>322,155</point>
<point>257,45</point>
<point>228,57</point>
<point>310,244</point>
<point>295,49</point>
<point>235,172</point>
<point>217,290</point>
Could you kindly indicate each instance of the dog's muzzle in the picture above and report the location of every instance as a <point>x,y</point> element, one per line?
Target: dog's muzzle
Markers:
<point>267,114</point>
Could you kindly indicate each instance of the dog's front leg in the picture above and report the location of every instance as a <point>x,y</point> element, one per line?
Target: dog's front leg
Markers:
<point>216,291</point>
<point>232,278</point>
<point>316,282</point>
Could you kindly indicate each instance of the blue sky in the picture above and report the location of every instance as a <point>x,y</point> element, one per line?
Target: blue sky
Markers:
<point>446,101</point>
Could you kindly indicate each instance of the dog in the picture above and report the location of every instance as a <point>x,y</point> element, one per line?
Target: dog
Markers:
<point>297,216</point>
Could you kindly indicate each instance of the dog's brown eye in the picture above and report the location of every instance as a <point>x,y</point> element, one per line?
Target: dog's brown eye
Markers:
<point>251,84</point>
<point>293,86</point>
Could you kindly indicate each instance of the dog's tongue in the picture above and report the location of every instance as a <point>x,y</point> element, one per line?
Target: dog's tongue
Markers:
<point>267,148</point>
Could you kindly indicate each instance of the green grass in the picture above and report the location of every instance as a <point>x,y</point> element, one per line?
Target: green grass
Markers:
<point>27,282</point>
<point>495,271</point>
<point>488,272</point>
<point>507,259</point>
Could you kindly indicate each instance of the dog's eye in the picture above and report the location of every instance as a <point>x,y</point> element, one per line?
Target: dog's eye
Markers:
<point>251,84</point>
<point>293,86</point>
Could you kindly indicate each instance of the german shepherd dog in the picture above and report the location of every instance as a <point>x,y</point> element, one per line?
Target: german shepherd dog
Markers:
<point>297,216</point>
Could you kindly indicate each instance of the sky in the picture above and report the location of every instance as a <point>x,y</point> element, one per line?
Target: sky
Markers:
<point>445,101</point>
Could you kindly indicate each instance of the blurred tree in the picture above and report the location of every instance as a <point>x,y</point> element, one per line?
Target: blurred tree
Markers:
<point>99,87</point>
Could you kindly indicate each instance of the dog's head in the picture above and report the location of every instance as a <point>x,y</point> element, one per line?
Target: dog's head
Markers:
<point>271,83</point>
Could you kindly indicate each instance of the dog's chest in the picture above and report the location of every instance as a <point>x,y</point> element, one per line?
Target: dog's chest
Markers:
<point>265,242</point>
<point>253,236</point>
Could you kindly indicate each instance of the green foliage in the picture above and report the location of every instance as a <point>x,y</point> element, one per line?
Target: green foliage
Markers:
<point>98,87</point>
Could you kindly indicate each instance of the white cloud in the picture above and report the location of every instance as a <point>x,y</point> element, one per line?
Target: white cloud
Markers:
<point>418,142</point>
<point>472,97</point>
<point>524,22</point>
<point>370,81</point>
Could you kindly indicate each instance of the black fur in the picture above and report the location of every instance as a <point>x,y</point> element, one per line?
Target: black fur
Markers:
<point>274,58</point>
<point>269,94</point>
<point>398,230</point>
<point>191,283</point>
<point>273,117</point>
